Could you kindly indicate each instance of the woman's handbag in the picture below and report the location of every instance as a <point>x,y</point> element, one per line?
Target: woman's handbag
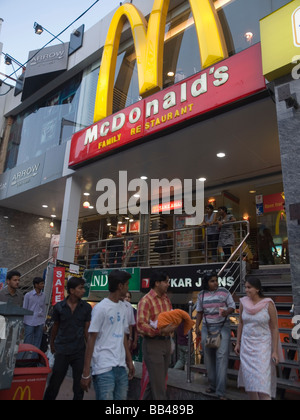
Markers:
<point>213,340</point>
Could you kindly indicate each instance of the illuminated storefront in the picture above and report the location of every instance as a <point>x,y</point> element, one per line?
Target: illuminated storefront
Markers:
<point>175,89</point>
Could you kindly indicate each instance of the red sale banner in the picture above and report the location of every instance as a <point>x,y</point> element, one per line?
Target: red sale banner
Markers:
<point>58,290</point>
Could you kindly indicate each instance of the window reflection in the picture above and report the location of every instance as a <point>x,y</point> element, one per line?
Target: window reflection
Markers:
<point>44,126</point>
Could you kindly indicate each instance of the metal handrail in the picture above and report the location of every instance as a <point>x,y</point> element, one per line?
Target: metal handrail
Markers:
<point>37,266</point>
<point>19,265</point>
<point>239,247</point>
<point>145,243</point>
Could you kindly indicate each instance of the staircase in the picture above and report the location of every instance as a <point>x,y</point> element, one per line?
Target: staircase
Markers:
<point>276,282</point>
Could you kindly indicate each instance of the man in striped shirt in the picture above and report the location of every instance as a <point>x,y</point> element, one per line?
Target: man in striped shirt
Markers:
<point>156,343</point>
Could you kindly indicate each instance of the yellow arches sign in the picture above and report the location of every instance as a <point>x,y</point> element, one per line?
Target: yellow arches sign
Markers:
<point>149,46</point>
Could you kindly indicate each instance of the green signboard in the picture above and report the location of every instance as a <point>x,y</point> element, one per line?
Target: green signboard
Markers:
<point>98,279</point>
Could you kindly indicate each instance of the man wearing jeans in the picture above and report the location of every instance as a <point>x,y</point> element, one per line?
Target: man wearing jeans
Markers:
<point>34,324</point>
<point>107,347</point>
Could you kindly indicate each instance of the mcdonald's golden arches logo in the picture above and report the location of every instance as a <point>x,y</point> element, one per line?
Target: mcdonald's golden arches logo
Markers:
<point>149,47</point>
<point>22,393</point>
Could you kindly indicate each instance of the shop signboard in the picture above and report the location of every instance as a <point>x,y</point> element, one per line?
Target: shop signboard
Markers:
<point>26,176</point>
<point>273,203</point>
<point>98,279</point>
<point>72,270</point>
<point>58,290</point>
<point>50,59</point>
<point>228,81</point>
<point>189,278</point>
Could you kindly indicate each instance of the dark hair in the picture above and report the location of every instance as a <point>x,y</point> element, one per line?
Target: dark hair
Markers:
<point>38,280</point>
<point>11,274</point>
<point>209,206</point>
<point>157,275</point>
<point>223,208</point>
<point>115,278</point>
<point>74,282</point>
<point>256,283</point>
<point>206,279</point>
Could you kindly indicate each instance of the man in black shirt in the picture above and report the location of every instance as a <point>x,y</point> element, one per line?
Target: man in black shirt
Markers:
<point>68,338</point>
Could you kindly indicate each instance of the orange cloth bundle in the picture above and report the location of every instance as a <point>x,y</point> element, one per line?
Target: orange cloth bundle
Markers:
<point>175,317</point>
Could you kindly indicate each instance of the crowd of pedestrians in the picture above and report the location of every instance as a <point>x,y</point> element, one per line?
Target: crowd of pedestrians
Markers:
<point>98,343</point>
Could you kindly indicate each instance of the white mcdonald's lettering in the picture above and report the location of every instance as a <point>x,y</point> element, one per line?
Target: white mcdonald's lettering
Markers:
<point>171,99</point>
<point>149,47</point>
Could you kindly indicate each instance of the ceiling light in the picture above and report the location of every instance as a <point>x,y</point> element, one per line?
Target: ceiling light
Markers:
<point>144,177</point>
<point>171,74</point>
<point>91,207</point>
<point>202,179</point>
<point>86,194</point>
<point>249,37</point>
<point>53,215</point>
<point>252,192</point>
<point>45,206</point>
<point>137,196</point>
<point>51,224</point>
<point>86,204</point>
<point>221,155</point>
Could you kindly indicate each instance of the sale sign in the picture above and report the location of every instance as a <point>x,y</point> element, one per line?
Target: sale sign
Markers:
<point>58,290</point>
<point>228,81</point>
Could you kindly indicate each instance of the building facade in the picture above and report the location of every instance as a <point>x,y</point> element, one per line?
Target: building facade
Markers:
<point>195,94</point>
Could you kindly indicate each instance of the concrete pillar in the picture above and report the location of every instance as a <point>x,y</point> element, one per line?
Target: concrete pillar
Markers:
<point>69,223</point>
<point>287,93</point>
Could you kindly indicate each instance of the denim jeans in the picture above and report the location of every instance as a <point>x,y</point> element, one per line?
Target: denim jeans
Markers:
<point>33,335</point>
<point>112,385</point>
<point>216,360</point>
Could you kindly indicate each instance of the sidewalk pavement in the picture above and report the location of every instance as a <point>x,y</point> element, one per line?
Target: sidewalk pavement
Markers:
<point>66,391</point>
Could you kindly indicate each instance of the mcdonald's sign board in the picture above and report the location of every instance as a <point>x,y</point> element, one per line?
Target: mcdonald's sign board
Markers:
<point>223,81</point>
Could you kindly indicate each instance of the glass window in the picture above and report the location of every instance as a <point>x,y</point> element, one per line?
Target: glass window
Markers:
<point>44,126</point>
<point>71,108</point>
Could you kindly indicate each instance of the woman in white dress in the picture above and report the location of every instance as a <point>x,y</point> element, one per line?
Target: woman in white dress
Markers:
<point>258,343</point>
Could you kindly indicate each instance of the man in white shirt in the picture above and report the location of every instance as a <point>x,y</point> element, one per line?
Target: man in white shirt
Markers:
<point>107,348</point>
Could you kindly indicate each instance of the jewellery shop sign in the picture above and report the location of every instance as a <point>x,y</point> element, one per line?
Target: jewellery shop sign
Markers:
<point>189,278</point>
<point>97,279</point>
